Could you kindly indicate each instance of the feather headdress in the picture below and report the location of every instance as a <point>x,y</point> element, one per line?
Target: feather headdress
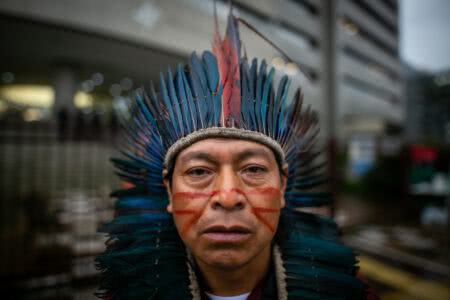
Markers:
<point>221,94</point>
<point>224,95</point>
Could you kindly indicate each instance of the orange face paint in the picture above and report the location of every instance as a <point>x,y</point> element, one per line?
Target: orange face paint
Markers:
<point>257,212</point>
<point>196,214</point>
<point>193,195</point>
<point>260,191</point>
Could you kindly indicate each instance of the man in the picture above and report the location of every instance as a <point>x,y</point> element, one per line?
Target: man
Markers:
<point>225,197</point>
<point>220,163</point>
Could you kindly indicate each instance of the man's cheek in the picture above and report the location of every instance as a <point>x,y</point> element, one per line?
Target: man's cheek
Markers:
<point>262,202</point>
<point>187,215</point>
<point>265,207</point>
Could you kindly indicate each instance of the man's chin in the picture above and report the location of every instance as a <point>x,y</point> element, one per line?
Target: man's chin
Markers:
<point>225,259</point>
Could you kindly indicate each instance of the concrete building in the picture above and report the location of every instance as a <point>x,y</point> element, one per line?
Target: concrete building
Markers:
<point>349,47</point>
<point>428,110</point>
<point>370,75</point>
<point>64,62</point>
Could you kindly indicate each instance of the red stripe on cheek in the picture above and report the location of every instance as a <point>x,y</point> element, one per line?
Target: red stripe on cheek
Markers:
<point>263,220</point>
<point>189,224</point>
<point>189,195</point>
<point>263,191</point>
<point>257,212</point>
<point>185,211</point>
<point>195,213</point>
<point>266,210</point>
<point>194,195</point>
<point>195,216</point>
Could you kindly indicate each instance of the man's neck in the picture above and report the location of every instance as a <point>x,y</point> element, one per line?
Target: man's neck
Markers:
<point>226,283</point>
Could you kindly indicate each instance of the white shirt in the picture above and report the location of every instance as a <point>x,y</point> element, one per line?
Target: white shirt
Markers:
<point>240,297</point>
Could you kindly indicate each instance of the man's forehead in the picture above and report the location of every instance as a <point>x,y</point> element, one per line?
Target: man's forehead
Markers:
<point>213,148</point>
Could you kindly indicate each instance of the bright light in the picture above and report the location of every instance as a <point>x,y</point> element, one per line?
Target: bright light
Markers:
<point>83,100</point>
<point>147,14</point>
<point>28,95</point>
<point>3,106</point>
<point>292,68</point>
<point>352,29</point>
<point>278,62</point>
<point>31,114</point>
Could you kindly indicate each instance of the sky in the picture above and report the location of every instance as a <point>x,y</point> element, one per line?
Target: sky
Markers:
<point>425,34</point>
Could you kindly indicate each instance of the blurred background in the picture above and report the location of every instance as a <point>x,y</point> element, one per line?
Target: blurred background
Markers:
<point>380,79</point>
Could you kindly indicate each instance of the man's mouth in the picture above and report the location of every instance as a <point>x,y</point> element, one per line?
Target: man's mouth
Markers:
<point>226,234</point>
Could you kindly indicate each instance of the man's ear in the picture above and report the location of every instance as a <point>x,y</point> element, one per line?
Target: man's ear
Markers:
<point>168,189</point>
<point>284,178</point>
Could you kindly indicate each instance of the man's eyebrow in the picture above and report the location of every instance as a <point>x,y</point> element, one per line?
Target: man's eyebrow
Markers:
<point>199,156</point>
<point>251,153</point>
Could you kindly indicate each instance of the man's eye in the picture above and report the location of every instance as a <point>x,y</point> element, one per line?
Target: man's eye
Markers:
<point>198,172</point>
<point>255,170</point>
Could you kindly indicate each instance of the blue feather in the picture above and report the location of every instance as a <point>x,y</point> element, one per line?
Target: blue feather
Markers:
<point>245,101</point>
<point>193,109</point>
<point>252,97</point>
<point>276,113</point>
<point>182,95</point>
<point>199,87</point>
<point>212,76</point>
<point>265,99</point>
<point>175,102</point>
<point>168,104</point>
<point>258,94</point>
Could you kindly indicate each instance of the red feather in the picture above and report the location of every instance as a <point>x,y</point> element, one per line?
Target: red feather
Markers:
<point>227,53</point>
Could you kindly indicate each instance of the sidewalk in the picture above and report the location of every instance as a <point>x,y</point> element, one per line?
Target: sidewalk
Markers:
<point>400,258</point>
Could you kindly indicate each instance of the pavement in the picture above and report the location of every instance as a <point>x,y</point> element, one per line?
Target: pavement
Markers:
<point>397,283</point>
<point>400,258</point>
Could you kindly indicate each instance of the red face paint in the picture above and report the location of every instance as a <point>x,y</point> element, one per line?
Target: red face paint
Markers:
<point>196,214</point>
<point>191,221</point>
<point>259,191</point>
<point>193,195</point>
<point>257,212</point>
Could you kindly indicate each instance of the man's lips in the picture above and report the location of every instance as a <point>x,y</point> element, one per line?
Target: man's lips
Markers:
<point>226,234</point>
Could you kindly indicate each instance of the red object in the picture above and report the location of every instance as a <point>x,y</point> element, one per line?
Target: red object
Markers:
<point>227,52</point>
<point>370,291</point>
<point>421,153</point>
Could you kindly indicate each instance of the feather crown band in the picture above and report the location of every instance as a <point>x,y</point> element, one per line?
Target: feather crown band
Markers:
<point>222,95</point>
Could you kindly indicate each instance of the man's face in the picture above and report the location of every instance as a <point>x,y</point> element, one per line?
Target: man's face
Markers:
<point>225,199</point>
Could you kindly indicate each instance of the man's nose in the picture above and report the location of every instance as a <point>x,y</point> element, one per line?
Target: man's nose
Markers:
<point>229,195</point>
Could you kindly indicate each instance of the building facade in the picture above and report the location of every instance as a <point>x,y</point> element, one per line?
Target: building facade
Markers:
<point>348,47</point>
